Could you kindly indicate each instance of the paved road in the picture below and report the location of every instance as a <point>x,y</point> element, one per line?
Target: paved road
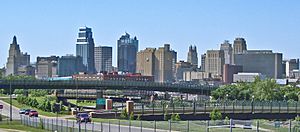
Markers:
<point>6,108</point>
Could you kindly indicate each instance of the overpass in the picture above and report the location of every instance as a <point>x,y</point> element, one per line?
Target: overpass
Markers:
<point>106,84</point>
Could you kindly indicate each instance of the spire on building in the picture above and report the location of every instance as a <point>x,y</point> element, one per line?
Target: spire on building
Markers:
<point>14,40</point>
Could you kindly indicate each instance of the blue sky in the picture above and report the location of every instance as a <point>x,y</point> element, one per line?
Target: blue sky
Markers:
<point>50,27</point>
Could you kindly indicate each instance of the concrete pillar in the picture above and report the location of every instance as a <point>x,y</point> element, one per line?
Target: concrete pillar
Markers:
<point>129,106</point>
<point>100,102</point>
<point>108,104</point>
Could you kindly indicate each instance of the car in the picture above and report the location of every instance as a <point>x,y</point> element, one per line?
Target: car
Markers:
<point>22,111</point>
<point>33,113</point>
<point>83,117</point>
<point>27,111</point>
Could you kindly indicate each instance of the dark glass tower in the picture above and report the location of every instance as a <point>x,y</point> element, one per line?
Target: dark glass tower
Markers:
<point>85,48</point>
<point>127,50</point>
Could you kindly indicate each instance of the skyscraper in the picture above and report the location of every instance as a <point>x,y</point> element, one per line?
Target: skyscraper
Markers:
<point>227,48</point>
<point>103,58</point>
<point>203,56</point>
<point>214,62</point>
<point>16,59</point>
<point>157,62</point>
<point>127,50</point>
<point>85,48</point>
<point>239,45</point>
<point>193,56</point>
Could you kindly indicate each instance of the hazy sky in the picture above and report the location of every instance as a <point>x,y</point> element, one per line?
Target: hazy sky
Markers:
<point>49,27</point>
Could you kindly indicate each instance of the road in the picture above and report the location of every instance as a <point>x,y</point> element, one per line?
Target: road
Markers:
<point>47,121</point>
<point>6,108</point>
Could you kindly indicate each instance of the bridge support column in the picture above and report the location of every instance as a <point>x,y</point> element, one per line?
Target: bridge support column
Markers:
<point>100,102</point>
<point>108,104</point>
<point>129,106</point>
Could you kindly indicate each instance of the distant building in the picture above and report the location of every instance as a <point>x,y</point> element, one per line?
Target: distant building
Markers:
<point>69,65</point>
<point>203,57</point>
<point>181,67</point>
<point>289,66</point>
<point>260,61</point>
<point>159,63</point>
<point>114,77</point>
<point>195,75</point>
<point>16,60</point>
<point>229,71</point>
<point>127,50</point>
<point>295,74</point>
<point>227,48</point>
<point>214,62</point>
<point>26,70</point>
<point>46,67</point>
<point>247,77</point>
<point>103,59</point>
<point>193,56</point>
<point>85,48</point>
<point>239,45</point>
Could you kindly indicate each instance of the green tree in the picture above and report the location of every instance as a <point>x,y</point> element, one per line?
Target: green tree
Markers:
<point>124,114</point>
<point>215,115</point>
<point>131,116</point>
<point>177,117</point>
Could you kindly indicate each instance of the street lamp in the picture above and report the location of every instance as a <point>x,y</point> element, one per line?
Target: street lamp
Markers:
<point>284,97</point>
<point>252,105</point>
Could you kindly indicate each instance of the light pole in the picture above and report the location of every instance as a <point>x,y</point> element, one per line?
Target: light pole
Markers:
<point>252,105</point>
<point>10,100</point>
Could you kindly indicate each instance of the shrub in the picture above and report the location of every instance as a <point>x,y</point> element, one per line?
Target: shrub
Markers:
<point>131,116</point>
<point>138,117</point>
<point>124,114</point>
<point>215,115</point>
<point>177,117</point>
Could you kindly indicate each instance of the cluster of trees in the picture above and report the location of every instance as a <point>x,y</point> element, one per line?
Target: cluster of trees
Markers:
<point>45,105</point>
<point>263,90</point>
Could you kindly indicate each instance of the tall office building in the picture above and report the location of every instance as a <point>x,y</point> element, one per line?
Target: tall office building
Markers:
<point>16,59</point>
<point>46,67</point>
<point>227,48</point>
<point>193,56</point>
<point>260,61</point>
<point>69,65</point>
<point>103,59</point>
<point>239,45</point>
<point>157,62</point>
<point>85,48</point>
<point>214,62</point>
<point>127,51</point>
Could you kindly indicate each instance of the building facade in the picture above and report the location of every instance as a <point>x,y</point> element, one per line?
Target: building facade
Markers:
<point>261,61</point>
<point>289,66</point>
<point>46,67</point>
<point>229,71</point>
<point>127,51</point>
<point>69,65</point>
<point>239,45</point>
<point>214,62</point>
<point>203,57</point>
<point>159,63</point>
<point>16,60</point>
<point>103,59</point>
<point>227,48</point>
<point>195,75</point>
<point>247,77</point>
<point>85,48</point>
<point>180,68</point>
<point>193,56</point>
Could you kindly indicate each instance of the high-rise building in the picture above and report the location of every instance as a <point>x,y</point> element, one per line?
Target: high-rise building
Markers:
<point>157,62</point>
<point>103,59</point>
<point>214,62</point>
<point>203,56</point>
<point>46,67</point>
<point>289,66</point>
<point>261,61</point>
<point>239,45</point>
<point>69,65</point>
<point>85,48</point>
<point>127,51</point>
<point>227,48</point>
<point>193,56</point>
<point>16,59</point>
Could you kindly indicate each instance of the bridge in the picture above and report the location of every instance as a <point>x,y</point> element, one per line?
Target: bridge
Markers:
<point>106,84</point>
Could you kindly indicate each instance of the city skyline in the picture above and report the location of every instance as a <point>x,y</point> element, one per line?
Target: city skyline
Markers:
<point>264,25</point>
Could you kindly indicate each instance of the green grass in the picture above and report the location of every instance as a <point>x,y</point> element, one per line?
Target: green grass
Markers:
<point>16,125</point>
<point>41,112</point>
